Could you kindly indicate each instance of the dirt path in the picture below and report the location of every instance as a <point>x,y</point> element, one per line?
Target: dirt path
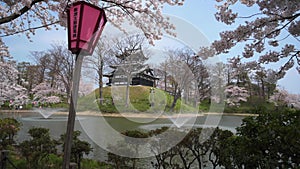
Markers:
<point>133,115</point>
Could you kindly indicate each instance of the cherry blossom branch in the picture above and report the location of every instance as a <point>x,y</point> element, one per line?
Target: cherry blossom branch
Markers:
<point>22,16</point>
<point>289,64</point>
<point>292,35</point>
<point>250,16</point>
<point>274,31</point>
<point>115,4</point>
<point>28,29</point>
<point>231,38</point>
<point>19,13</point>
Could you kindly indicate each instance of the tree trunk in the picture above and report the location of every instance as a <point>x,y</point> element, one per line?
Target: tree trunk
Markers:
<point>185,165</point>
<point>196,95</point>
<point>258,88</point>
<point>263,88</point>
<point>42,76</point>
<point>186,96</point>
<point>127,93</point>
<point>250,88</point>
<point>68,91</point>
<point>165,80</point>
<point>176,97</point>
<point>228,77</point>
<point>134,163</point>
<point>100,82</point>
<point>79,162</point>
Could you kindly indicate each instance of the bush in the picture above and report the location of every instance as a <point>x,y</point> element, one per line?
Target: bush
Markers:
<point>39,148</point>
<point>270,140</point>
<point>93,164</point>
<point>8,129</point>
<point>204,105</point>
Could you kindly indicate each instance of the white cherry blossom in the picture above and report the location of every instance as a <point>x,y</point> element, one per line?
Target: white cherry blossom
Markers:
<point>26,16</point>
<point>263,33</point>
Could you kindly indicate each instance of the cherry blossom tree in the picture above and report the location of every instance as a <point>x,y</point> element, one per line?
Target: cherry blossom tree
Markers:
<point>4,53</point>
<point>196,89</point>
<point>263,34</point>
<point>54,66</point>
<point>10,91</point>
<point>282,97</point>
<point>218,82</point>
<point>235,95</point>
<point>61,65</point>
<point>43,93</point>
<point>26,16</point>
<point>294,101</point>
<point>85,87</point>
<point>181,80</point>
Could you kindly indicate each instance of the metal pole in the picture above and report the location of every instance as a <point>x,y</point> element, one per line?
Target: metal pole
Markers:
<point>72,112</point>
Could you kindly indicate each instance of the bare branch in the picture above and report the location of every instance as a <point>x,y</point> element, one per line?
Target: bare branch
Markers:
<point>28,29</point>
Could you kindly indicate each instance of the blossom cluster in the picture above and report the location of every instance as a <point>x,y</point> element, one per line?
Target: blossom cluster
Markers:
<point>26,16</point>
<point>10,91</point>
<point>43,93</point>
<point>262,32</point>
<point>235,95</point>
<point>283,97</point>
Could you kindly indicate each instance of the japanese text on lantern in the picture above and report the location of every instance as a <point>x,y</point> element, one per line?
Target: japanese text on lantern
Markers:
<point>75,22</point>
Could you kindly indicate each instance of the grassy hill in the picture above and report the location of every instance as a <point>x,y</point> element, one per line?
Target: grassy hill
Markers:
<point>141,101</point>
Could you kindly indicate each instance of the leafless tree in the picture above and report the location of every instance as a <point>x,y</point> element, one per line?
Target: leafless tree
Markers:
<point>97,63</point>
<point>62,66</point>
<point>179,75</point>
<point>185,76</point>
<point>131,53</point>
<point>55,66</point>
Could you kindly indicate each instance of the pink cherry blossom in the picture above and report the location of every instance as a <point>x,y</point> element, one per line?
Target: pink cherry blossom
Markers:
<point>10,91</point>
<point>263,33</point>
<point>44,94</point>
<point>26,16</point>
<point>235,95</point>
<point>283,97</point>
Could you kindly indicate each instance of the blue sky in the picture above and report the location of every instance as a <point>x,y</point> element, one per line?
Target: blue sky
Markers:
<point>199,13</point>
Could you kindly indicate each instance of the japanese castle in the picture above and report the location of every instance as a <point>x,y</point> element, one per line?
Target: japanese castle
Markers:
<point>133,70</point>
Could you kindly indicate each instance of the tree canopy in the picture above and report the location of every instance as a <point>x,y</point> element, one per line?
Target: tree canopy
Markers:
<point>26,16</point>
<point>261,34</point>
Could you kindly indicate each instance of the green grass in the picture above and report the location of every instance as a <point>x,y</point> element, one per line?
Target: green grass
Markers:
<point>141,101</point>
<point>254,105</point>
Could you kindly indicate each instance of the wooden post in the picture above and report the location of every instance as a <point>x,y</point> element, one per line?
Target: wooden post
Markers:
<point>72,112</point>
<point>4,154</point>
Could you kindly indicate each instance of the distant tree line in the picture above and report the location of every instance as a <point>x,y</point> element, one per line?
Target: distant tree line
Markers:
<point>45,81</point>
<point>48,79</point>
<point>233,82</point>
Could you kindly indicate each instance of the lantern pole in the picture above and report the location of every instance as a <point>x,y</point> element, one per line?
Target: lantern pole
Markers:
<point>76,27</point>
<point>72,111</point>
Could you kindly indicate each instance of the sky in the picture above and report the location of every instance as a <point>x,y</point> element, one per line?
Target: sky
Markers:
<point>195,16</point>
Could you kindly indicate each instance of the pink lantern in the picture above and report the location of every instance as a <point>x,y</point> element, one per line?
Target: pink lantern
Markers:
<point>85,25</point>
